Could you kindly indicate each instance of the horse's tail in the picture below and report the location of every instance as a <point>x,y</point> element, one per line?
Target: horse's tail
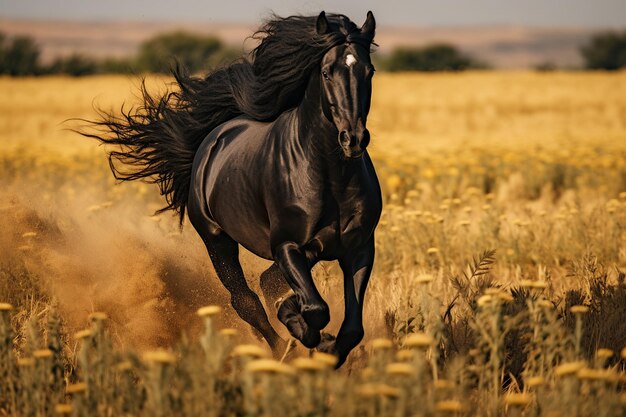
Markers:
<point>157,141</point>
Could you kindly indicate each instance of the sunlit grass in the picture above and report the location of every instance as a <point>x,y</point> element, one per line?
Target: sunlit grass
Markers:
<point>531,165</point>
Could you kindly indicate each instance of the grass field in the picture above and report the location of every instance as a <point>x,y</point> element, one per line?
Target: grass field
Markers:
<point>529,165</point>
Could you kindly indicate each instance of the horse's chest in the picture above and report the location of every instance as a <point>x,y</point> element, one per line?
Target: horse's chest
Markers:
<point>344,227</point>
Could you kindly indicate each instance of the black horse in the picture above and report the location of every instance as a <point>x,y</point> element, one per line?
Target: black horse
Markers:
<point>270,153</point>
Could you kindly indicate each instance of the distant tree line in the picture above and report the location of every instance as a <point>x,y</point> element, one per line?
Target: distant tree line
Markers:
<point>605,51</point>
<point>436,57</point>
<point>21,56</point>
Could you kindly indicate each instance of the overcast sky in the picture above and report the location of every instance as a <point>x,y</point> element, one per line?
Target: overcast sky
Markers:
<point>589,13</point>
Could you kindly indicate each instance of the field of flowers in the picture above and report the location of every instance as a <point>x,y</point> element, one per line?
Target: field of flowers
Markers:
<point>498,287</point>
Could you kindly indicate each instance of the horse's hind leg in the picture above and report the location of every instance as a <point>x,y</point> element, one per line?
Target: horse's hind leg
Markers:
<point>224,253</point>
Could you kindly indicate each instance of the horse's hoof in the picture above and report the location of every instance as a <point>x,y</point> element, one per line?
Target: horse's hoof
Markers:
<point>289,315</point>
<point>311,337</point>
<point>316,316</point>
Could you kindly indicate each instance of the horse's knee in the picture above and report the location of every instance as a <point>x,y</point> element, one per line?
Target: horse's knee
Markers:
<point>284,251</point>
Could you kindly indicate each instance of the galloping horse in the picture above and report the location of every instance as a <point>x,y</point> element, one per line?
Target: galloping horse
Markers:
<point>270,153</point>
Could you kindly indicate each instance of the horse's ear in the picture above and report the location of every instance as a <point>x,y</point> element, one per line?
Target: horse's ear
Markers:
<point>369,27</point>
<point>322,24</point>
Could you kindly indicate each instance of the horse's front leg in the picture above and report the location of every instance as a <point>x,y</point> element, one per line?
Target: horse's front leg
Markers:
<point>356,267</point>
<point>306,304</point>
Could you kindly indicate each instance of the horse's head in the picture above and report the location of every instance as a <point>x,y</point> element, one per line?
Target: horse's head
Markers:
<point>346,77</point>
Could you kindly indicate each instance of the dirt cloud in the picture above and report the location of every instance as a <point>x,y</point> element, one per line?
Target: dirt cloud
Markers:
<point>146,274</point>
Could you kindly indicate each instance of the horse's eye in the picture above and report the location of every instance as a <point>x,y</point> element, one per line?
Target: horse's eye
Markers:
<point>325,75</point>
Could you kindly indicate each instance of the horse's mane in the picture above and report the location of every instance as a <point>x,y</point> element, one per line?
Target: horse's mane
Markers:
<point>159,139</point>
<point>273,79</point>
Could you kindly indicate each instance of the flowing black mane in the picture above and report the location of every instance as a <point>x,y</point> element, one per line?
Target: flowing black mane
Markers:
<point>281,65</point>
<point>158,139</point>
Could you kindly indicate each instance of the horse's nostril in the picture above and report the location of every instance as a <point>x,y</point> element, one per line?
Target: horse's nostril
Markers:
<point>345,137</point>
<point>348,139</point>
<point>365,140</point>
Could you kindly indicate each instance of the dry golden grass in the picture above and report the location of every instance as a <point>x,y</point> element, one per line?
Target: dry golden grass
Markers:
<point>531,165</point>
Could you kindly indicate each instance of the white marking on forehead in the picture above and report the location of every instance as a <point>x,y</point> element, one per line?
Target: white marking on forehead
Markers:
<point>350,60</point>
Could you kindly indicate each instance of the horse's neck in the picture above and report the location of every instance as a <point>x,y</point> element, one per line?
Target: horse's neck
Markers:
<point>315,131</point>
<point>319,137</point>
<point>317,134</point>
